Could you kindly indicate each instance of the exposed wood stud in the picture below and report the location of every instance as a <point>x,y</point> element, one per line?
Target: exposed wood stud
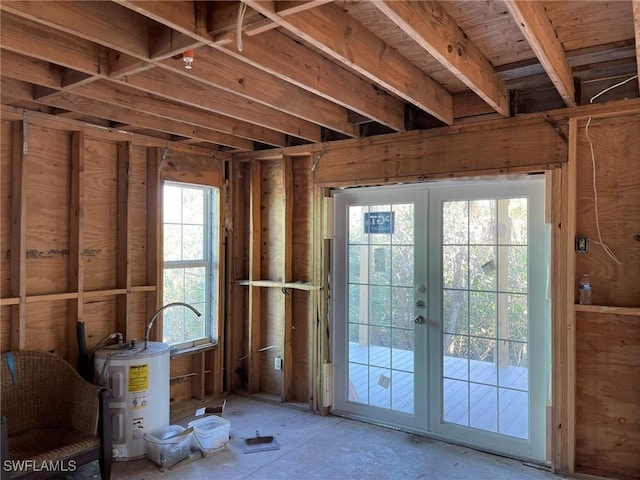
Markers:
<point>198,377</point>
<point>154,236</point>
<point>287,276</point>
<point>559,334</point>
<point>18,285</point>
<point>255,308</point>
<point>76,242</point>
<point>636,25</point>
<point>123,269</point>
<point>570,232</point>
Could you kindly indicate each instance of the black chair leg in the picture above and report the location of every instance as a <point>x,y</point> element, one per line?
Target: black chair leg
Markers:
<point>106,439</point>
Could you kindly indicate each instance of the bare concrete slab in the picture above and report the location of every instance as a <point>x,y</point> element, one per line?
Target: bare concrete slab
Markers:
<point>314,447</point>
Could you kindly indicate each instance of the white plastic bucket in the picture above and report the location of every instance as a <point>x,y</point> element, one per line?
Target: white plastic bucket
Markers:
<point>210,434</point>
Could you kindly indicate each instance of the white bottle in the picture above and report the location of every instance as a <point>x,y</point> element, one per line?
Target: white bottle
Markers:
<point>585,290</point>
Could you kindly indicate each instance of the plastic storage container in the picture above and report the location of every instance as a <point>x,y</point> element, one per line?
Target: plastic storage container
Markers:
<point>585,290</point>
<point>168,445</point>
<point>210,434</point>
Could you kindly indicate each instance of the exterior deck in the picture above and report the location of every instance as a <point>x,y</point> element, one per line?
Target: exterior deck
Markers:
<point>476,394</point>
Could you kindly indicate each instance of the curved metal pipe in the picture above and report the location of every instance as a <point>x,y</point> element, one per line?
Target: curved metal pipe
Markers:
<point>155,315</point>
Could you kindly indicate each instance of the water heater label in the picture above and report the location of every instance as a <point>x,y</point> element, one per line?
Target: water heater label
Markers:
<point>139,400</point>
<point>138,377</point>
<point>137,427</point>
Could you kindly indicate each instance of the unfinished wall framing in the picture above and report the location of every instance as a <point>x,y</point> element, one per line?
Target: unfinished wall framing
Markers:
<point>81,239</point>
<point>604,339</point>
<point>581,437</point>
<point>81,236</point>
<point>275,278</point>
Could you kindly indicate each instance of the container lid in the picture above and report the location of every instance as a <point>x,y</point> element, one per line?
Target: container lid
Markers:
<point>209,423</point>
<point>166,433</point>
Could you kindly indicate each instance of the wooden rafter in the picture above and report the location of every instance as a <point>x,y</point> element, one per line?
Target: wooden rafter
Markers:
<point>338,35</point>
<point>434,30</point>
<point>537,29</point>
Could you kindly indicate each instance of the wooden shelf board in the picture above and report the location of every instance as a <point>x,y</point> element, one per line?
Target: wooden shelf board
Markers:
<point>276,284</point>
<point>634,311</point>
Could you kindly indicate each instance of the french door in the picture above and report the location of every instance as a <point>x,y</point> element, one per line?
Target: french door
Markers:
<point>440,318</point>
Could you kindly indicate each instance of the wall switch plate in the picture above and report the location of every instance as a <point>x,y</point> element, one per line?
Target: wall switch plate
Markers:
<point>581,244</point>
<point>277,363</point>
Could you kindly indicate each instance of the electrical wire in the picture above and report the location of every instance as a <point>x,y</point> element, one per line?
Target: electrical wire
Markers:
<point>601,242</point>
<point>241,12</point>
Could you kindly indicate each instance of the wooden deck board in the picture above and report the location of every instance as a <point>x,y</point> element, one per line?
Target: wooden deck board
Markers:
<point>493,400</point>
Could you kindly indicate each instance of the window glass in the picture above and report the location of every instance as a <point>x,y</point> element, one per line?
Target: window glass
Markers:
<point>190,262</point>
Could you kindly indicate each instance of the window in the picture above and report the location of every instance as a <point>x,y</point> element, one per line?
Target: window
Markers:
<point>190,263</point>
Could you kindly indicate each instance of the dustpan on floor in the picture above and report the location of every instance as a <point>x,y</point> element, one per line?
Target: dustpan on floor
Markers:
<point>260,444</point>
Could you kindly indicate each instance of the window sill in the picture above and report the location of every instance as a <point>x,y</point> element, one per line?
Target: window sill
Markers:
<point>192,350</point>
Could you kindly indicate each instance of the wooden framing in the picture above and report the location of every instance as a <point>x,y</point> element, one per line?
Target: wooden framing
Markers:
<point>123,268</point>
<point>76,231</point>
<point>360,50</point>
<point>18,236</point>
<point>636,24</point>
<point>287,273</point>
<point>154,235</point>
<point>434,30</point>
<point>570,225</point>
<point>517,146</point>
<point>537,29</point>
<point>78,65</point>
<point>255,310</point>
<point>559,432</point>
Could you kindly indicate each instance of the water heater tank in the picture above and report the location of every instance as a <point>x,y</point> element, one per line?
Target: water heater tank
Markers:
<point>139,380</point>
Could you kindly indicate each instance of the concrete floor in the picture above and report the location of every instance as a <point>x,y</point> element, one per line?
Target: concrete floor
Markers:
<point>315,447</point>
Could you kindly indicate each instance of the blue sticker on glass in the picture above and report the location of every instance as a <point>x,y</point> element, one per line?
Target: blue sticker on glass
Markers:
<point>378,222</point>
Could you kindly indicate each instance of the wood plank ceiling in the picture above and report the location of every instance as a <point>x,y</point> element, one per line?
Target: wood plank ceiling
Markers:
<point>308,72</point>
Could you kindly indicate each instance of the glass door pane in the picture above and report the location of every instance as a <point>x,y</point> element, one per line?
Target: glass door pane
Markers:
<point>380,303</point>
<point>485,380</point>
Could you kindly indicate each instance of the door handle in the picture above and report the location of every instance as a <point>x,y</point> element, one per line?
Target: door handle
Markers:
<point>419,320</point>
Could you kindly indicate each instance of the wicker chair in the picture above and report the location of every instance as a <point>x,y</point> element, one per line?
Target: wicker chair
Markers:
<point>52,419</point>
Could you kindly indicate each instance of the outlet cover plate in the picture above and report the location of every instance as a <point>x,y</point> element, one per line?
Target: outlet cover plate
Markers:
<point>581,244</point>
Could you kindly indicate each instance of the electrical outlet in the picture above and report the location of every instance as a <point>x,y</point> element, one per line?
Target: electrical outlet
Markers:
<point>581,244</point>
<point>277,363</point>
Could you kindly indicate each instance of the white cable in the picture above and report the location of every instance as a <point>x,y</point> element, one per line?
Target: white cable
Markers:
<point>612,87</point>
<point>241,12</point>
<point>604,246</point>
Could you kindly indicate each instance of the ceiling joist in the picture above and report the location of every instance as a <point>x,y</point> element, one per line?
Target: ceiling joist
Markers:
<point>335,33</point>
<point>313,71</point>
<point>285,58</point>
<point>537,29</point>
<point>188,20</point>
<point>434,30</point>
